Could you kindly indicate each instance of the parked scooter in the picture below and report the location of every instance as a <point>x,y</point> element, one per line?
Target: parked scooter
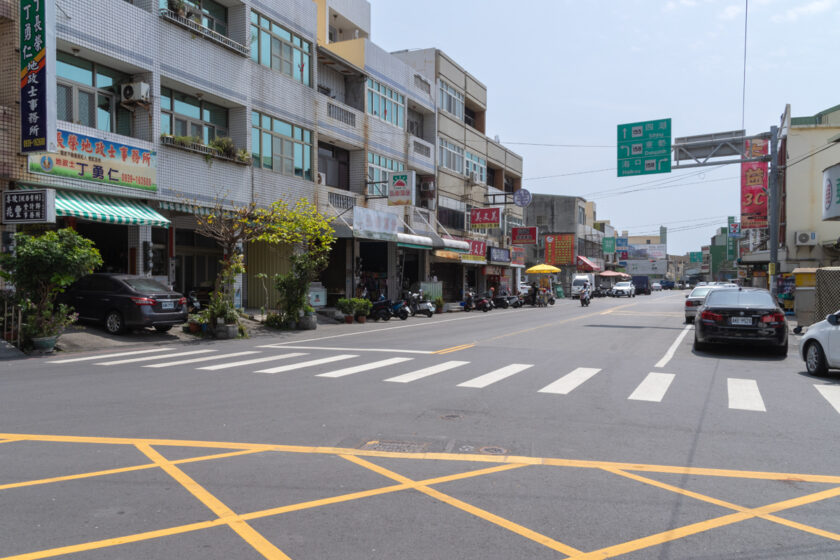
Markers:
<point>193,305</point>
<point>385,309</point>
<point>469,300</point>
<point>484,303</point>
<point>416,304</point>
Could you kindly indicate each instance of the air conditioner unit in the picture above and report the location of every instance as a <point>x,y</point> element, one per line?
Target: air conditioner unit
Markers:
<point>134,92</point>
<point>804,238</point>
<point>322,178</point>
<point>473,177</point>
<point>427,187</point>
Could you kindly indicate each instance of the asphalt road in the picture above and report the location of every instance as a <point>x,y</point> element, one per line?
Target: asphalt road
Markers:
<point>532,433</point>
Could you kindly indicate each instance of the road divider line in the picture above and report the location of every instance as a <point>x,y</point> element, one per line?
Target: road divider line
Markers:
<point>831,393</point>
<point>310,363</point>
<point>336,349</point>
<point>653,387</point>
<point>670,353</point>
<point>254,361</point>
<point>489,378</point>
<point>426,372</point>
<point>744,395</point>
<point>570,381</point>
<point>204,359</point>
<point>364,367</point>
<point>150,358</point>
<point>106,356</point>
<point>454,349</point>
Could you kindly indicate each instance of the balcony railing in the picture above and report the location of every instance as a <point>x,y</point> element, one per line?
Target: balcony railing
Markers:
<point>341,201</point>
<point>422,149</point>
<point>196,27</point>
<point>341,114</point>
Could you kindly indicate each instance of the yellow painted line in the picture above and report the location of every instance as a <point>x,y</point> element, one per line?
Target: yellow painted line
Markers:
<point>124,469</point>
<point>454,349</point>
<point>478,512</point>
<point>248,533</point>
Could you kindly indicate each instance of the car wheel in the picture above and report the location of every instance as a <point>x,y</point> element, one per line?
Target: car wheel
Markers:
<point>700,346</point>
<point>114,322</point>
<point>163,328</point>
<point>782,350</point>
<point>815,359</point>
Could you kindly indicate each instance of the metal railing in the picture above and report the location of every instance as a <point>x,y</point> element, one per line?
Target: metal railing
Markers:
<point>343,201</point>
<point>341,114</point>
<point>206,32</point>
<point>422,149</point>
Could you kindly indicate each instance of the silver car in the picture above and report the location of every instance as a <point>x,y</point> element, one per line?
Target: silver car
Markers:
<point>695,300</point>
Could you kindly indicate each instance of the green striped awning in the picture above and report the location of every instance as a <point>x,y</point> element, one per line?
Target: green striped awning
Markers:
<point>99,208</point>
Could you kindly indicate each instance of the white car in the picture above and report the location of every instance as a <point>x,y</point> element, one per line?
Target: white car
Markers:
<point>820,347</point>
<point>624,289</point>
<point>656,287</point>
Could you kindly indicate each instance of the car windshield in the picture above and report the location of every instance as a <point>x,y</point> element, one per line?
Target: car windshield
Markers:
<point>145,285</point>
<point>699,292</point>
<point>740,298</point>
<point>623,285</point>
<point>579,282</point>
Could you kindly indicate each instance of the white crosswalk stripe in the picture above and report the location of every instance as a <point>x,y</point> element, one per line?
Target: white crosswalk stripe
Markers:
<point>489,378</point>
<point>364,367</point>
<point>310,363</point>
<point>425,372</point>
<point>204,359</point>
<point>106,356</point>
<point>570,381</point>
<point>831,394</point>
<point>653,387</point>
<point>744,395</point>
<point>228,365</point>
<point>150,358</point>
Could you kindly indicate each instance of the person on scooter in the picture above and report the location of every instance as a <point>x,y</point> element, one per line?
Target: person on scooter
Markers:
<point>586,294</point>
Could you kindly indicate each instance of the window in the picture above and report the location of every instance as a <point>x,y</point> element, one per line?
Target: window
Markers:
<point>213,15</point>
<point>281,146</point>
<point>469,116</point>
<point>185,115</point>
<point>276,47</point>
<point>385,103</point>
<point>88,94</point>
<point>449,218</point>
<point>451,156</point>
<point>581,215</point>
<point>477,165</point>
<point>379,168</point>
<point>451,100</point>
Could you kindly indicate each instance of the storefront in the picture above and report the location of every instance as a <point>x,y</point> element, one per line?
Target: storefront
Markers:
<point>473,262</point>
<point>501,277</point>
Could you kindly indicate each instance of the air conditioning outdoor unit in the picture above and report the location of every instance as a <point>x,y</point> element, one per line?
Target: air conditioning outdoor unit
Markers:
<point>322,178</point>
<point>804,238</point>
<point>134,92</point>
<point>473,177</point>
<point>427,187</point>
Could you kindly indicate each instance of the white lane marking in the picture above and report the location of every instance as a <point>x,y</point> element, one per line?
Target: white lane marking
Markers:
<point>300,365</point>
<point>570,381</point>
<point>150,358</point>
<point>204,359</point>
<point>254,361</point>
<point>653,387</point>
<point>364,367</point>
<point>831,394</point>
<point>744,395</point>
<point>426,372</point>
<point>488,378</point>
<point>670,353</point>
<point>332,348</point>
<point>106,356</point>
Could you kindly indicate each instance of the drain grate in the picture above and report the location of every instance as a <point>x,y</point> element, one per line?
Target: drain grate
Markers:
<point>396,446</point>
<point>493,450</point>
<point>451,417</point>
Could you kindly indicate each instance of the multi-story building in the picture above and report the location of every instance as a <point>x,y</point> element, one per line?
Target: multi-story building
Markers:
<point>166,107</point>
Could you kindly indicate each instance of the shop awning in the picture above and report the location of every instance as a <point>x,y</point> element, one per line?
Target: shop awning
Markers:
<point>586,264</point>
<point>455,245</point>
<point>414,241</point>
<point>99,208</point>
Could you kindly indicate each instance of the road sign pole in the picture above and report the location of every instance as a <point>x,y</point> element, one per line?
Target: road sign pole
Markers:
<point>773,207</point>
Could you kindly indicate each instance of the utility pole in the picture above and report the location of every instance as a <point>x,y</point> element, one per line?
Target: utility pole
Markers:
<point>774,205</point>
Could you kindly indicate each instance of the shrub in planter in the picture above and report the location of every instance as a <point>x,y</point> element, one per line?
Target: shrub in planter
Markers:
<point>438,305</point>
<point>345,305</point>
<point>275,321</point>
<point>225,146</point>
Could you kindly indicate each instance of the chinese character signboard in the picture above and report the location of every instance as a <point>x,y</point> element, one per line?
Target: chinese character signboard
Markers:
<point>29,207</point>
<point>831,194</point>
<point>648,251</point>
<point>477,254</point>
<point>87,158</point>
<point>695,257</point>
<point>559,248</point>
<point>370,224</point>
<point>401,188</point>
<point>485,218</point>
<point>523,235</point>
<point>622,243</point>
<point>754,187</point>
<point>644,148</point>
<point>517,257</point>
<point>498,255</point>
<point>37,76</point>
<point>608,245</point>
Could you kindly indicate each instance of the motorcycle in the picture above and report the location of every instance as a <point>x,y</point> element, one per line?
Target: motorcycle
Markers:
<point>385,309</point>
<point>484,303</point>
<point>584,299</point>
<point>416,304</point>
<point>469,301</point>
<point>193,305</point>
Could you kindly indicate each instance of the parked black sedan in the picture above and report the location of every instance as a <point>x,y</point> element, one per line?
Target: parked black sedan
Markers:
<point>742,316</point>
<point>123,301</point>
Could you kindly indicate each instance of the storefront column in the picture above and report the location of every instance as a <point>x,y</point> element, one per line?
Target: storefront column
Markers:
<point>393,280</point>
<point>136,236</point>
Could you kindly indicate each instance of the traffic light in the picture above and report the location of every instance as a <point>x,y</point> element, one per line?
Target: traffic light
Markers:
<point>148,256</point>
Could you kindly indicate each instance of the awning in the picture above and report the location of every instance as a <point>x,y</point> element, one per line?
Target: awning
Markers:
<point>414,241</point>
<point>455,245</point>
<point>587,264</point>
<point>106,209</point>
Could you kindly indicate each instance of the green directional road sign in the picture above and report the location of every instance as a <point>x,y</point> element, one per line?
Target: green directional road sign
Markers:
<point>644,148</point>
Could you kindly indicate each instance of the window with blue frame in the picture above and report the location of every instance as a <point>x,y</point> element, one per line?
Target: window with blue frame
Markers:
<point>379,169</point>
<point>385,103</point>
<point>186,115</point>
<point>87,93</point>
<point>281,146</point>
<point>276,47</point>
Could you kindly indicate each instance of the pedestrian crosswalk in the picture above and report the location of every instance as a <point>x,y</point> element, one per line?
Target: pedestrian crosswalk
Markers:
<point>416,367</point>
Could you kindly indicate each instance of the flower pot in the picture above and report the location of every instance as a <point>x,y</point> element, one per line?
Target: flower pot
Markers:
<point>361,318</point>
<point>227,331</point>
<point>348,319</point>
<point>308,323</point>
<point>194,327</point>
<point>44,343</point>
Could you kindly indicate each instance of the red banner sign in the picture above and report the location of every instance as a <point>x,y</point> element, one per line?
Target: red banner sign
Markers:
<point>523,235</point>
<point>485,218</point>
<point>478,248</point>
<point>754,187</point>
<point>559,248</point>
<point>517,256</point>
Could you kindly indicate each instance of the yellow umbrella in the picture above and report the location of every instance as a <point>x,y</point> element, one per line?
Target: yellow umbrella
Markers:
<point>542,269</point>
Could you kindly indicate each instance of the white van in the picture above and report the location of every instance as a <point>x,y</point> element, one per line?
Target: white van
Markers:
<point>578,280</point>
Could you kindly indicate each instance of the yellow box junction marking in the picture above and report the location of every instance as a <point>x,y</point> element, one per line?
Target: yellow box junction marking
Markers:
<point>239,521</point>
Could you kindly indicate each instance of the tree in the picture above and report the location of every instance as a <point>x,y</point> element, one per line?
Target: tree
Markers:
<point>42,267</point>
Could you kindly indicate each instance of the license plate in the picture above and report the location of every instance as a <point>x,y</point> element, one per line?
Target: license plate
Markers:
<point>740,320</point>
<point>167,305</point>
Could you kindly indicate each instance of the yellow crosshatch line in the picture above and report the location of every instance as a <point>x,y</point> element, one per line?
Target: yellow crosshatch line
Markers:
<point>238,522</point>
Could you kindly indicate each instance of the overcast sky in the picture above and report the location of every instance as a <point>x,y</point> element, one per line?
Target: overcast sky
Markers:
<point>568,72</point>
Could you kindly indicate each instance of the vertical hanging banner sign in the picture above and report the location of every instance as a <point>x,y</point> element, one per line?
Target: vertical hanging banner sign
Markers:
<point>559,248</point>
<point>37,76</point>
<point>754,187</point>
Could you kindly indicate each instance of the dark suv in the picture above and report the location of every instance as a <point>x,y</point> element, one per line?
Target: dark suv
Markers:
<point>122,301</point>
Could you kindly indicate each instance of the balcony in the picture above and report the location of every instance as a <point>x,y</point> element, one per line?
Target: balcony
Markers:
<point>333,202</point>
<point>421,220</point>
<point>209,34</point>
<point>422,152</point>
<point>341,114</point>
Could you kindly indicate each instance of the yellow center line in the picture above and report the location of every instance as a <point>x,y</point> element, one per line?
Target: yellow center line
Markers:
<point>469,508</point>
<point>454,349</point>
<point>248,533</point>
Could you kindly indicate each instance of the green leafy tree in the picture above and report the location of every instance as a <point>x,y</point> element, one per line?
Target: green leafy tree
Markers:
<point>42,267</point>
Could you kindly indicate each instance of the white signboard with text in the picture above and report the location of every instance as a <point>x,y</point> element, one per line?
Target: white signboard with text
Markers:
<point>831,194</point>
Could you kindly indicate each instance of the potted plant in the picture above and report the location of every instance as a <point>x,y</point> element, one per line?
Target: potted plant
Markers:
<point>361,308</point>
<point>179,7</point>
<point>438,304</point>
<point>308,321</point>
<point>345,305</point>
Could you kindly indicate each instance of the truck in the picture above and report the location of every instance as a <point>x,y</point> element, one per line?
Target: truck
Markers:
<point>579,279</point>
<point>642,284</point>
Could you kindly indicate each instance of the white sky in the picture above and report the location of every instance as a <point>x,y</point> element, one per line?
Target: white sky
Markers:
<point>569,71</point>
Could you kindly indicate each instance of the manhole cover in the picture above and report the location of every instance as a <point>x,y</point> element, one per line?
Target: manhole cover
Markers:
<point>396,446</point>
<point>493,450</point>
<point>451,417</point>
